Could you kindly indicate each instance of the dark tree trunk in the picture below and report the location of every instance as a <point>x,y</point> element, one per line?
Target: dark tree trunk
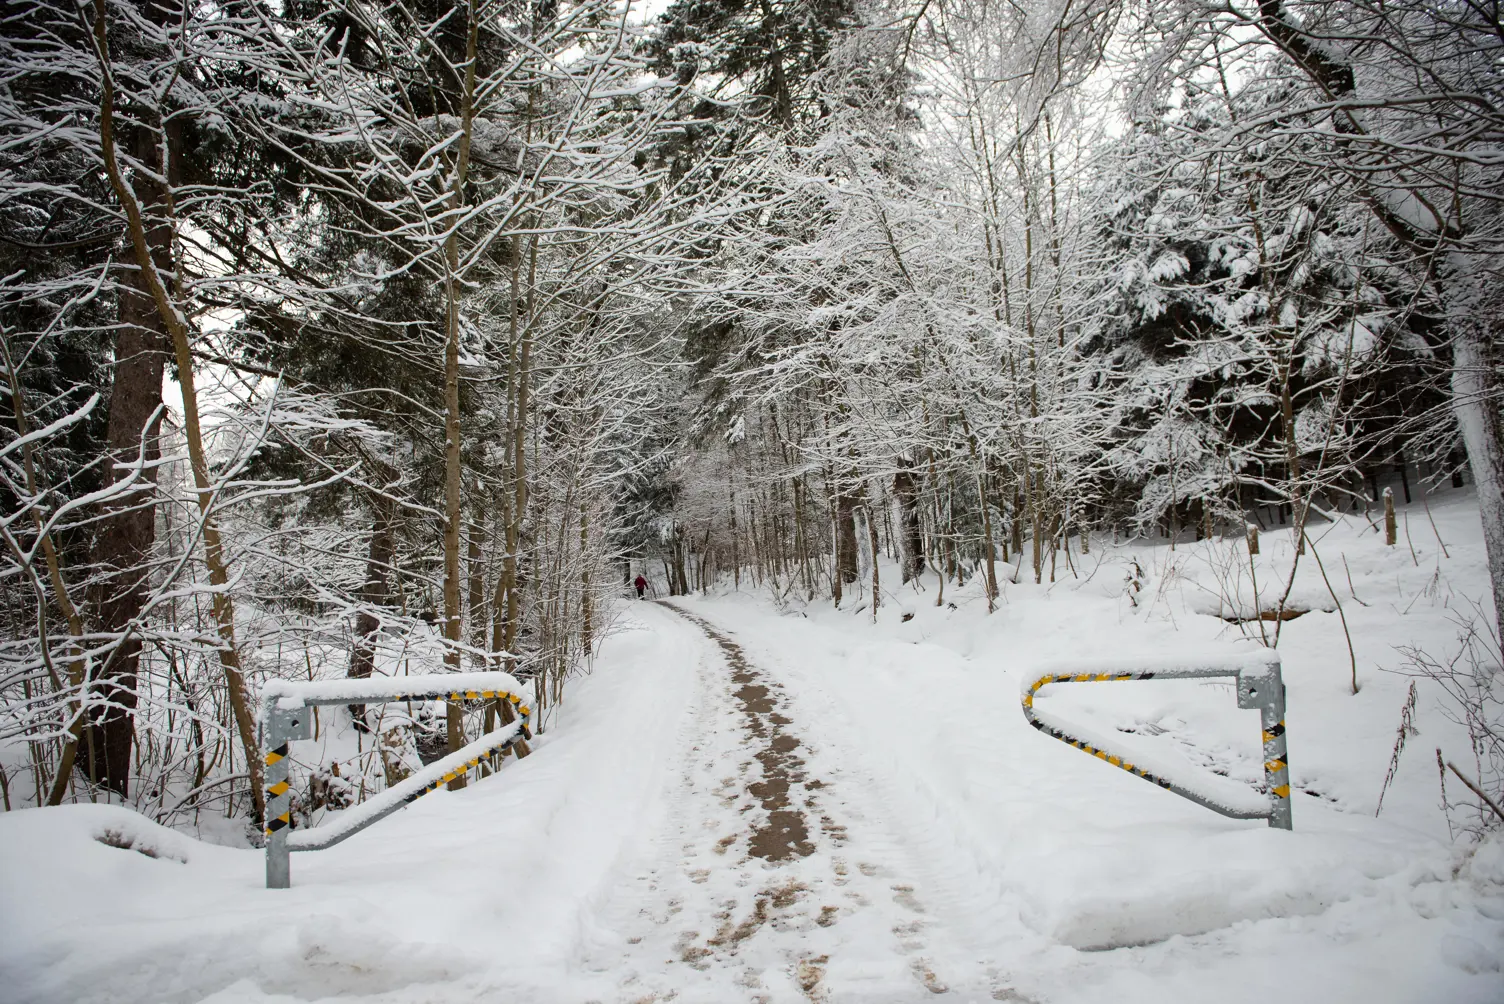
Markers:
<point>374,592</point>
<point>475,600</point>
<point>127,529</point>
<point>680,583</point>
<point>1018,523</point>
<point>848,565</point>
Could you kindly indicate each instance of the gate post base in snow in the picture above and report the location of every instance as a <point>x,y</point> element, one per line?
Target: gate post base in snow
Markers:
<point>282,726</point>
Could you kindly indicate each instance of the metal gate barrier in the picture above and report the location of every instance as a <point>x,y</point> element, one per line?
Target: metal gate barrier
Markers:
<point>1260,685</point>
<point>287,715</point>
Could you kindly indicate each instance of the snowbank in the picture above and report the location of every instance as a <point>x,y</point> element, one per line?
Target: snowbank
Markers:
<point>481,894</point>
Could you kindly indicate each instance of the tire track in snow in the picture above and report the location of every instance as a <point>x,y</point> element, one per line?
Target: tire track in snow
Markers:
<point>777,874</point>
<point>945,898</point>
<point>871,895</point>
<point>785,833</point>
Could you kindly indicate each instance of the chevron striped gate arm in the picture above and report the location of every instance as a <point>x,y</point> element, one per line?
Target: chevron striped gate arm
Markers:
<point>286,716</point>
<point>1260,685</point>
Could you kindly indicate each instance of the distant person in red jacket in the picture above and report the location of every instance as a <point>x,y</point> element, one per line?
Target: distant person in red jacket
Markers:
<point>641,584</point>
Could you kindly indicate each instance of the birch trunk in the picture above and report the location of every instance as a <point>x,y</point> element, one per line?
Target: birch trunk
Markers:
<point>1476,399</point>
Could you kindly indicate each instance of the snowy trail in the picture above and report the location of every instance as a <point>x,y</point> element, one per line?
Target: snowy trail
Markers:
<point>760,889</point>
<point>923,911</point>
<point>743,806</point>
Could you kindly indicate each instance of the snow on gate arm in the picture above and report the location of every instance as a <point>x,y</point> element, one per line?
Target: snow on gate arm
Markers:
<point>291,694</point>
<point>1258,662</point>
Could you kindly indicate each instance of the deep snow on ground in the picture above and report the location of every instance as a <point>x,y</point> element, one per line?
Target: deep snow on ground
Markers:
<point>949,852</point>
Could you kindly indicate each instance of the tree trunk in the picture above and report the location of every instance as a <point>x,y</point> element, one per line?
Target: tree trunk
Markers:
<point>587,607</point>
<point>736,560</point>
<point>1292,460</point>
<point>1036,482</point>
<point>454,717</point>
<point>518,506</point>
<point>1476,400</point>
<point>502,706</point>
<point>1018,523</point>
<point>222,608</point>
<point>910,529</point>
<point>848,566</point>
<point>373,593</point>
<point>127,529</point>
<point>681,577</point>
<point>989,551</point>
<point>475,600</point>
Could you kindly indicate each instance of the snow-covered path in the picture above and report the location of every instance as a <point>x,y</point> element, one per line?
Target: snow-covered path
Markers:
<point>775,880</point>
<point>469,896</point>
<point>739,805</point>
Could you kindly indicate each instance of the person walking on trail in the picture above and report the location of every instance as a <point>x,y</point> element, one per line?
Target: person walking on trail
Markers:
<point>641,584</point>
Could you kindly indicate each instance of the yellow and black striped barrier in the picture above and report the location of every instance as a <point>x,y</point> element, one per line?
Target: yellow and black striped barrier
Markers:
<point>287,716</point>
<point>1260,685</point>
<point>431,778</point>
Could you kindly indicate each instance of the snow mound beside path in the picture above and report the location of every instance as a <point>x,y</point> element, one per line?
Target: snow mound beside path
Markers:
<point>485,894</point>
<point>1083,884</point>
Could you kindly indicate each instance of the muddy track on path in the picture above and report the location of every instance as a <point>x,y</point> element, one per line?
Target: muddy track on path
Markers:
<point>785,832</point>
<point>812,910</point>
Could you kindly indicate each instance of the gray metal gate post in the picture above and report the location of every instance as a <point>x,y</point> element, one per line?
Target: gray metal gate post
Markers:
<point>1260,685</point>
<point>1267,693</point>
<point>282,726</point>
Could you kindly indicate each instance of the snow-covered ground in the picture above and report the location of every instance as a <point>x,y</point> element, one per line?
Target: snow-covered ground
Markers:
<point>934,846</point>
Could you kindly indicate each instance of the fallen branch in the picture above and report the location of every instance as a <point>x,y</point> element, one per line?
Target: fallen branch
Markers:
<point>1476,790</point>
